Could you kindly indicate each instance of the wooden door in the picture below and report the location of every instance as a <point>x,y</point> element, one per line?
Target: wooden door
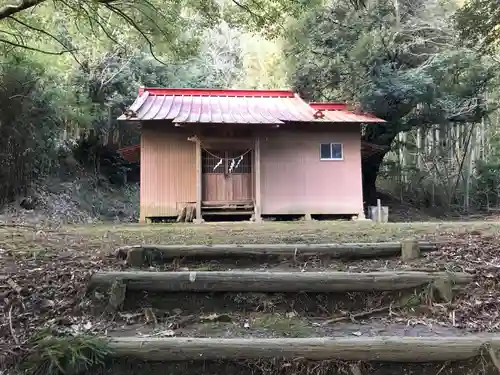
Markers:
<point>227,176</point>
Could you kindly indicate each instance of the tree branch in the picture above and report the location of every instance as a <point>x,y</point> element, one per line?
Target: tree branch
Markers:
<point>101,25</point>
<point>13,44</point>
<point>11,9</point>
<point>42,32</point>
<point>258,17</point>
<point>131,22</point>
<point>18,38</point>
<point>248,10</point>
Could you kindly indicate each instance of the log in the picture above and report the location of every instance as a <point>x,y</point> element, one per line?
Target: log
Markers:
<point>380,349</point>
<point>343,251</point>
<point>249,281</point>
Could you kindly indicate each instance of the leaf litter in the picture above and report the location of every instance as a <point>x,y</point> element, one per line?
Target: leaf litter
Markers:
<point>47,289</point>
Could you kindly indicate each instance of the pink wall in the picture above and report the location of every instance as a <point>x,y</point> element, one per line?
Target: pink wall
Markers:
<point>295,181</point>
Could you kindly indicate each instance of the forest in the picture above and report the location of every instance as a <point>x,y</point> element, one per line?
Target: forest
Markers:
<point>430,68</point>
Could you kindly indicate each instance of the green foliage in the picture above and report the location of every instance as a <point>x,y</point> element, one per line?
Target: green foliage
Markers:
<point>479,24</point>
<point>161,26</point>
<point>29,124</point>
<point>265,16</point>
<point>487,183</point>
<point>158,25</point>
<point>403,70</point>
<point>91,153</point>
<point>104,79</point>
<point>70,355</point>
<point>402,64</point>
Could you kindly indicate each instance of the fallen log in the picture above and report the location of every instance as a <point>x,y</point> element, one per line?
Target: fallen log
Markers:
<point>344,251</point>
<point>383,349</point>
<point>249,281</point>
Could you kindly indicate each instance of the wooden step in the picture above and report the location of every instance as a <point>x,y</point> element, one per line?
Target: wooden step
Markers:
<point>242,212</point>
<point>226,203</point>
<point>228,207</point>
<point>369,349</point>
<point>332,250</point>
<point>279,282</point>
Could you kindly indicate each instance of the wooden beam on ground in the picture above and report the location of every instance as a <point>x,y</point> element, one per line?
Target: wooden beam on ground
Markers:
<point>342,251</point>
<point>383,349</point>
<point>250,281</point>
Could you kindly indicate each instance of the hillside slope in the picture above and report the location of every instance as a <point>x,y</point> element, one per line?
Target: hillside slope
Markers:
<point>85,199</point>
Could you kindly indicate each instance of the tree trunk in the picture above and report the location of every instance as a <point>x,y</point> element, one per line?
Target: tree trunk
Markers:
<point>370,169</point>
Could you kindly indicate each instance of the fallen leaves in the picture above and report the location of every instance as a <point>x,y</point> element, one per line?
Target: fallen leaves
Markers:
<point>43,292</point>
<point>49,289</point>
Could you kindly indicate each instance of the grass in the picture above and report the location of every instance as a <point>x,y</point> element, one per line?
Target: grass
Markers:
<point>51,355</point>
<point>276,232</point>
<point>108,237</point>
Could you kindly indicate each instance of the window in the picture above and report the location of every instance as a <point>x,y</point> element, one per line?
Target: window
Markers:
<point>331,151</point>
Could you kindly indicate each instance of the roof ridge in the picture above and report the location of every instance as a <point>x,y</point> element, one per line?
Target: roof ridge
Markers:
<point>329,106</point>
<point>215,92</point>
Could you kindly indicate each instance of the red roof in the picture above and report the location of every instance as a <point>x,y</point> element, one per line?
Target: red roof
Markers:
<point>227,106</point>
<point>368,149</point>
<point>130,153</point>
<point>220,106</point>
<point>328,106</point>
<point>338,112</point>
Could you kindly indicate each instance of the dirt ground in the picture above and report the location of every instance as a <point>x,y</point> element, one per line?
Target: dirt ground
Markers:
<point>44,274</point>
<point>284,367</point>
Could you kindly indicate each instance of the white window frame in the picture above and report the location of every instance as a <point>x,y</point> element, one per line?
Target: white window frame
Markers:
<point>331,151</point>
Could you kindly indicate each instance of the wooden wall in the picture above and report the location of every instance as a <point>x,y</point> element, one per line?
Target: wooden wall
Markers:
<point>168,171</point>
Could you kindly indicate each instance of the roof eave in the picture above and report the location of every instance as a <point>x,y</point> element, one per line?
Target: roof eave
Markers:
<point>351,122</point>
<point>126,118</point>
